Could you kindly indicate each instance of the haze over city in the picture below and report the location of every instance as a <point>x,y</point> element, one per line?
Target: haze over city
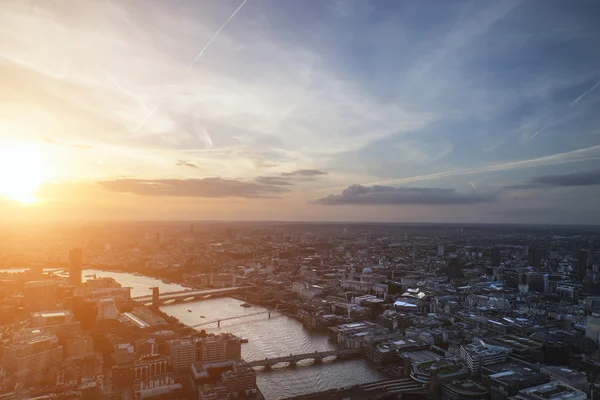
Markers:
<point>300,110</point>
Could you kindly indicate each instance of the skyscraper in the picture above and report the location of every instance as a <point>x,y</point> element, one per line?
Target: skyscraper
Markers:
<point>76,260</point>
<point>495,257</point>
<point>582,263</point>
<point>534,257</point>
<point>440,251</point>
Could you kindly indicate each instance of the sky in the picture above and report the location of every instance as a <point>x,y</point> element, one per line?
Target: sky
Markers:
<point>330,110</point>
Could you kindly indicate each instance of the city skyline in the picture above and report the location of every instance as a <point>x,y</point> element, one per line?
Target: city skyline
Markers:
<point>280,110</point>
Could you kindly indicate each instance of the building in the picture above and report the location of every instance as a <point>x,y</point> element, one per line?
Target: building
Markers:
<point>496,257</point>
<point>465,389</point>
<point>107,309</point>
<point>240,379</point>
<point>537,281</point>
<point>182,353</point>
<point>534,257</point>
<point>440,250</point>
<point>366,284</point>
<point>352,335</point>
<point>506,379</point>
<point>76,265</point>
<point>476,355</point>
<point>574,379</point>
<point>582,264</point>
<point>161,386</point>
<point>593,328</point>
<point>31,352</point>
<point>150,366</point>
<point>518,345</point>
<point>40,295</point>
<point>78,346</point>
<point>551,391</point>
<point>61,323</point>
<point>217,348</point>
<point>212,392</point>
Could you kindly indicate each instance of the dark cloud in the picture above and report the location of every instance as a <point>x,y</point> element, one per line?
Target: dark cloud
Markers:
<point>207,187</point>
<point>72,145</point>
<point>273,180</point>
<point>304,172</point>
<point>387,195</point>
<point>587,178</point>
<point>183,163</point>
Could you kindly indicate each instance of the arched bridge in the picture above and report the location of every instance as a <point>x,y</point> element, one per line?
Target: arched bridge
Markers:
<point>158,298</point>
<point>317,356</point>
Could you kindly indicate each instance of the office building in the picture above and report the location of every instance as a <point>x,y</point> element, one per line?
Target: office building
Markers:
<point>182,353</point>
<point>212,392</point>
<point>465,389</point>
<point>61,323</point>
<point>150,366</point>
<point>107,309</point>
<point>31,352</point>
<point>78,346</point>
<point>218,348</point>
<point>574,379</point>
<point>537,281</point>
<point>40,295</point>
<point>476,355</point>
<point>440,250</point>
<point>76,265</point>
<point>496,256</point>
<point>507,378</point>
<point>592,330</point>
<point>240,379</point>
<point>551,391</point>
<point>582,264</point>
<point>534,257</point>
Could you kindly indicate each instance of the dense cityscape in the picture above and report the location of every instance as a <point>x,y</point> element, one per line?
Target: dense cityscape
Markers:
<point>424,311</point>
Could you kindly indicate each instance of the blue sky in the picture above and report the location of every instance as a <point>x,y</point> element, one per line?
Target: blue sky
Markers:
<point>433,111</point>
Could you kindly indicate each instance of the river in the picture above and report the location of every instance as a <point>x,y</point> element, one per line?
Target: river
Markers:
<point>267,337</point>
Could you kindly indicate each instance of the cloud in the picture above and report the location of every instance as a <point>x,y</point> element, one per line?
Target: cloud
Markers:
<point>183,163</point>
<point>304,172</point>
<point>587,178</point>
<point>207,187</point>
<point>273,180</point>
<point>65,144</point>
<point>387,195</point>
<point>579,155</point>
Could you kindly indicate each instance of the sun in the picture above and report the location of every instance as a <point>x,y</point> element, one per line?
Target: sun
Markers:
<point>21,172</point>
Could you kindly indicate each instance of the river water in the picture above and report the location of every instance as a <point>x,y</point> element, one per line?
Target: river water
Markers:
<point>267,337</point>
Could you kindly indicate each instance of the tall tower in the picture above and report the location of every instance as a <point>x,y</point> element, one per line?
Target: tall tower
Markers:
<point>76,261</point>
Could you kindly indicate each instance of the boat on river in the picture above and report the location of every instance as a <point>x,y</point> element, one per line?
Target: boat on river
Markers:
<point>245,305</point>
<point>189,310</point>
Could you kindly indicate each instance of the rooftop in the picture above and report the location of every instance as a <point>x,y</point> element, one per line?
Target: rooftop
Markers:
<point>553,391</point>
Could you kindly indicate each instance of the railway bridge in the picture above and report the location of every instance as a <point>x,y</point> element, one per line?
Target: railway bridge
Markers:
<point>157,298</point>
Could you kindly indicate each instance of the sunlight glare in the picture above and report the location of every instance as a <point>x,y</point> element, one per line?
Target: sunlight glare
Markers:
<point>21,172</point>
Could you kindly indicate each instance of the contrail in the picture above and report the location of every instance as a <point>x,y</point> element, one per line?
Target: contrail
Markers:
<point>574,102</point>
<point>115,82</point>
<point>579,155</point>
<point>143,122</point>
<point>535,134</point>
<point>196,59</point>
<point>216,34</point>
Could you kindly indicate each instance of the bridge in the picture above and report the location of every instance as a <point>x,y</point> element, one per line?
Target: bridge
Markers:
<point>293,359</point>
<point>158,298</point>
<point>375,390</point>
<point>218,321</point>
